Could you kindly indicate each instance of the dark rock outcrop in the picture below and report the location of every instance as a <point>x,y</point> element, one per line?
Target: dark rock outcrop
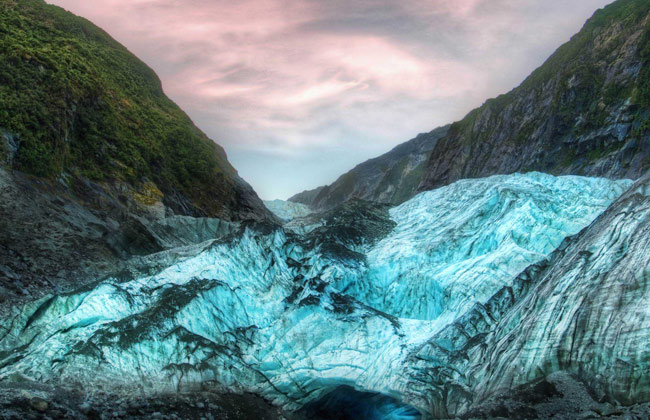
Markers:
<point>307,197</point>
<point>55,237</point>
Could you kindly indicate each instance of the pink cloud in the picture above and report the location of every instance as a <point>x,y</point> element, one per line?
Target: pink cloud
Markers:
<point>301,79</point>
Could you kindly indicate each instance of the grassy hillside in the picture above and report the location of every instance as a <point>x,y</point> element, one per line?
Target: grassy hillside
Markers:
<point>79,102</point>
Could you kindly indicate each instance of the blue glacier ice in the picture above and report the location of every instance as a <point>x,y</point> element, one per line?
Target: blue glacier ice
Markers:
<point>296,316</point>
<point>287,210</point>
<point>458,244</point>
<point>583,311</point>
<point>346,402</point>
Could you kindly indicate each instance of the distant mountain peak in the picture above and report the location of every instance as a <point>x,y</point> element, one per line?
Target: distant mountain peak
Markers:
<point>391,178</point>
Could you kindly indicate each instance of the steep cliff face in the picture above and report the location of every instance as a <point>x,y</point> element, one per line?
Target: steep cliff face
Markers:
<point>585,111</point>
<point>307,197</point>
<point>77,105</point>
<point>391,178</point>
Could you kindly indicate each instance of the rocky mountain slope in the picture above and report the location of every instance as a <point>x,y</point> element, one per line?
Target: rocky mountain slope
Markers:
<point>585,111</point>
<point>296,316</point>
<point>75,103</point>
<point>95,160</point>
<point>391,178</point>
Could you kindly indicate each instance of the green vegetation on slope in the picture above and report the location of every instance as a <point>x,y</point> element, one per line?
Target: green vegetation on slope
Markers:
<point>626,13</point>
<point>569,63</point>
<point>585,111</point>
<point>79,102</point>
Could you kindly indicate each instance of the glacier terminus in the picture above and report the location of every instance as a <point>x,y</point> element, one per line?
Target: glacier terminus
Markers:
<point>421,308</point>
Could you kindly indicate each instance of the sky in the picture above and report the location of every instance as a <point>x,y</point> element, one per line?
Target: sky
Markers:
<point>300,91</point>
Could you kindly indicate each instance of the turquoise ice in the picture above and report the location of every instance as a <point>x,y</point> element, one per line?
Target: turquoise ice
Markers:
<point>270,311</point>
<point>458,244</point>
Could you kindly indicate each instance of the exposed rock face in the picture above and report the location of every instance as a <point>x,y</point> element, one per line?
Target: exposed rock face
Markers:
<point>307,197</point>
<point>585,111</point>
<point>286,315</point>
<point>391,178</point>
<point>55,237</point>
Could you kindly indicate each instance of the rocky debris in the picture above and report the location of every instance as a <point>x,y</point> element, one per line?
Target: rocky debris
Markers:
<point>9,144</point>
<point>559,396</point>
<point>27,400</point>
<point>354,224</point>
<point>54,239</point>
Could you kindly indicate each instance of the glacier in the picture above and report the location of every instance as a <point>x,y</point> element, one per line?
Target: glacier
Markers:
<point>458,244</point>
<point>584,310</point>
<point>383,305</point>
<point>287,210</point>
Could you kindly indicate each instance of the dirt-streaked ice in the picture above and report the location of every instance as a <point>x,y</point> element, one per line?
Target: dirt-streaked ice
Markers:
<point>292,317</point>
<point>287,210</point>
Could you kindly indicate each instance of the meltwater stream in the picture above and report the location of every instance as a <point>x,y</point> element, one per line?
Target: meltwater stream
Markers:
<point>309,320</point>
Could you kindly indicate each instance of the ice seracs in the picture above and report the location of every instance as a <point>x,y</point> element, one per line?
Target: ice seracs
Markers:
<point>457,245</point>
<point>287,210</point>
<point>297,316</point>
<point>584,311</point>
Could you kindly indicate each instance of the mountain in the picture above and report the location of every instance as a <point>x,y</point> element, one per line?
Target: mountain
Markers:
<point>390,178</point>
<point>307,197</point>
<point>520,296</point>
<point>96,163</point>
<point>584,111</point>
<point>76,104</point>
<point>428,308</point>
